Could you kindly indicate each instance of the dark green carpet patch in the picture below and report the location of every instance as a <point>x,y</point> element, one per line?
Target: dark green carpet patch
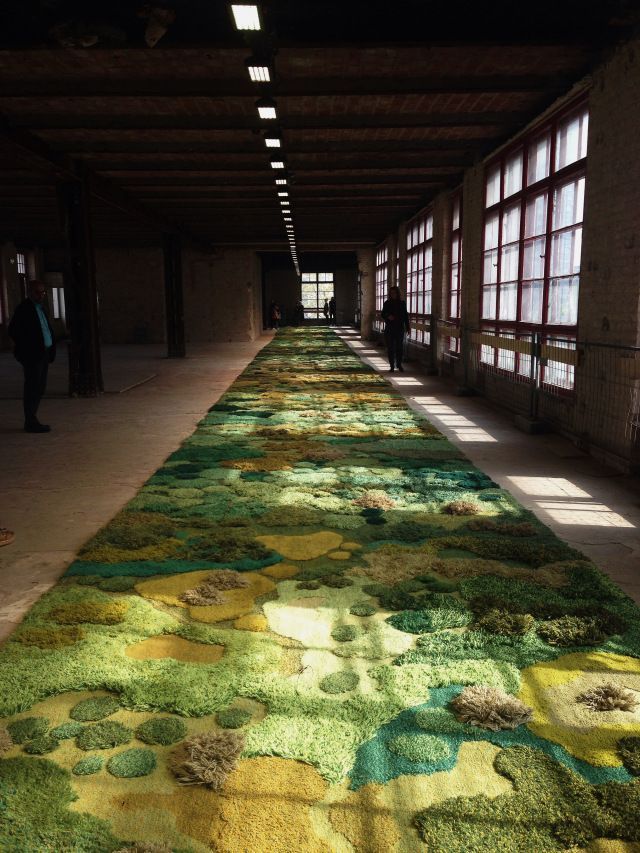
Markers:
<point>35,795</point>
<point>50,638</point>
<point>505,623</point>
<point>161,730</point>
<point>551,808</point>
<point>66,730</point>
<point>104,735</point>
<point>362,608</point>
<point>88,766</point>
<point>340,682</point>
<point>41,745</point>
<point>132,763</point>
<point>346,633</point>
<point>629,752</point>
<point>27,728</point>
<point>232,718</point>
<point>90,710</point>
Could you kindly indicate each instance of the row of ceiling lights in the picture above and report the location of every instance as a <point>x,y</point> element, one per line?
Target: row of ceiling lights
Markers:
<point>247,18</point>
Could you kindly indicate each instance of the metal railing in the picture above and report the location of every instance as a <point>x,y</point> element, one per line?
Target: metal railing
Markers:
<point>590,391</point>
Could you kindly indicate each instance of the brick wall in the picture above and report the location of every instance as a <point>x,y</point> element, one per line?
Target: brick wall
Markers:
<point>222,295</point>
<point>130,284</point>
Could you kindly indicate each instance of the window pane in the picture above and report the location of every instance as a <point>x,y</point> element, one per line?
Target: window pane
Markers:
<point>491,232</point>
<point>531,301</point>
<point>506,357</point>
<point>566,248</point>
<point>493,186</point>
<point>455,246</point>
<point>455,215</point>
<point>563,301</point>
<point>535,218</point>
<point>429,228</point>
<point>509,262</point>
<point>455,277</point>
<point>568,204</point>
<point>571,140</point>
<point>513,175</point>
<point>538,160</point>
<point>557,372</point>
<point>490,274</point>
<point>511,224</point>
<point>533,263</point>
<point>508,301</point>
<point>489,302</point>
<point>453,304</point>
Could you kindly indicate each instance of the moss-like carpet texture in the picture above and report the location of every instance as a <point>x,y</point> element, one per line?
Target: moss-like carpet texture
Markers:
<point>318,627</point>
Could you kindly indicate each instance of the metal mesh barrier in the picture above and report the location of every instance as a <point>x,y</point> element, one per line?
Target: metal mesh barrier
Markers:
<point>588,391</point>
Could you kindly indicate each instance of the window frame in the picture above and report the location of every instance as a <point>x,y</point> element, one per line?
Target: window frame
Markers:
<point>381,283</point>
<point>314,278</point>
<point>530,190</point>
<point>419,276</point>
<point>455,269</point>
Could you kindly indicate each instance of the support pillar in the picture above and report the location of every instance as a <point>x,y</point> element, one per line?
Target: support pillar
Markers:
<point>367,268</point>
<point>172,251</point>
<point>85,366</point>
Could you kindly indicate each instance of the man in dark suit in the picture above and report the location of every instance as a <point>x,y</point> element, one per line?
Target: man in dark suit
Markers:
<point>396,323</point>
<point>34,349</point>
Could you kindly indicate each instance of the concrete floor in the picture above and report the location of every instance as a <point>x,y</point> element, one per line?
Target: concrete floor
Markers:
<point>58,489</point>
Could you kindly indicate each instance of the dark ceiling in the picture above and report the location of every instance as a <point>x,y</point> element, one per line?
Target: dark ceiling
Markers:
<point>381,106</point>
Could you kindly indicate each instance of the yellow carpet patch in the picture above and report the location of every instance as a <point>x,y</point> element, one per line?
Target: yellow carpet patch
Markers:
<point>339,555</point>
<point>281,571</point>
<point>170,646</point>
<point>610,845</point>
<point>302,547</point>
<point>238,602</point>
<point>552,688</point>
<point>365,821</point>
<point>251,622</point>
<point>264,805</point>
<point>351,546</point>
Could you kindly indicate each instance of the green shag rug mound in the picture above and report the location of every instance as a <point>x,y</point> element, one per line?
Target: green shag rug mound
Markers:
<point>317,626</point>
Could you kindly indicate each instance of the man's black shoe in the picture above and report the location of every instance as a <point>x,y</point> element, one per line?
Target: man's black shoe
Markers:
<point>37,428</point>
<point>401,368</point>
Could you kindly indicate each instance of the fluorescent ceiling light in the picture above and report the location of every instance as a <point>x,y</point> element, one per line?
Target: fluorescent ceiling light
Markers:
<point>272,142</point>
<point>266,108</point>
<point>259,73</point>
<point>246,16</point>
<point>283,195</point>
<point>277,164</point>
<point>281,181</point>
<point>258,68</point>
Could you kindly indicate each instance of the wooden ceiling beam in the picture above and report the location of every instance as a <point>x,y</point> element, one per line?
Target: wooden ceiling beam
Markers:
<point>47,118</point>
<point>64,167</point>
<point>318,85</point>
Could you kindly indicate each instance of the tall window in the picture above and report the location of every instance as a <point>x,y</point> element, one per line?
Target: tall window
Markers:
<point>316,288</point>
<point>21,265</point>
<point>455,268</point>
<point>419,276</point>
<point>382,279</point>
<point>534,200</point>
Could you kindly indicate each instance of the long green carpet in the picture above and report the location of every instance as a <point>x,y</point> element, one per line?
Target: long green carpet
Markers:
<point>319,628</point>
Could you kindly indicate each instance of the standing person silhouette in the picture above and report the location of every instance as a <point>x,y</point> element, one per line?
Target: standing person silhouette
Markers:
<point>325,310</point>
<point>396,323</point>
<point>332,310</point>
<point>34,348</point>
